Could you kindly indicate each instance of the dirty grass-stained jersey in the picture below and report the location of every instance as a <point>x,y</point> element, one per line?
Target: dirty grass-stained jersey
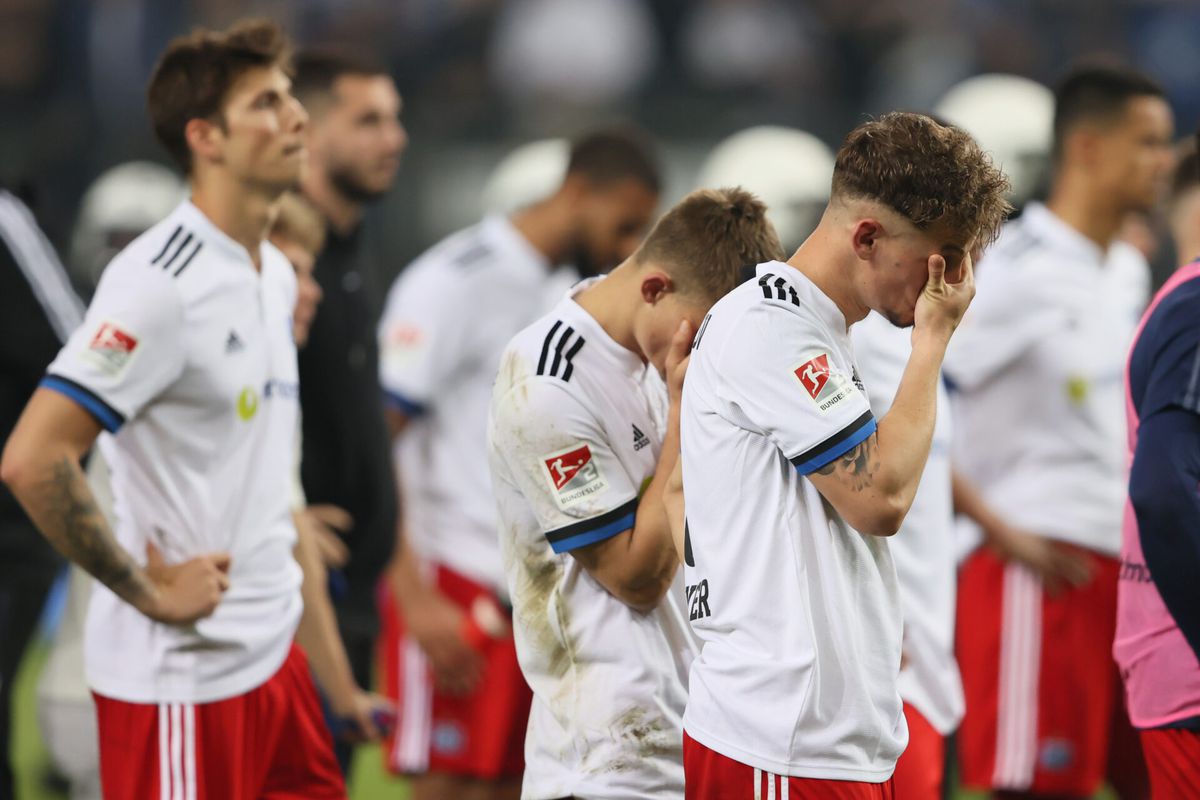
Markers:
<point>575,431</point>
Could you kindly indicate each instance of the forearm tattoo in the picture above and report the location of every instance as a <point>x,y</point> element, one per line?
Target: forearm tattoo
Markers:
<point>73,523</point>
<point>857,465</point>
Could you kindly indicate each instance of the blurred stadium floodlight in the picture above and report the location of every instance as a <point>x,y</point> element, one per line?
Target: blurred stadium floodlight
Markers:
<point>1013,119</point>
<point>788,169</point>
<point>119,205</point>
<point>530,173</point>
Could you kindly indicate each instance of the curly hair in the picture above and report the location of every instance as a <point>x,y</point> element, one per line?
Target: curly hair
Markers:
<point>931,174</point>
<point>707,238</point>
<point>195,73</point>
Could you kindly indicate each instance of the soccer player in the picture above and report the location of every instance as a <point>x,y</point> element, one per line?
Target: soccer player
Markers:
<point>1037,369</point>
<point>1158,617</point>
<point>186,358</point>
<point>926,568</point>
<point>583,434</point>
<point>448,319</point>
<point>792,486</point>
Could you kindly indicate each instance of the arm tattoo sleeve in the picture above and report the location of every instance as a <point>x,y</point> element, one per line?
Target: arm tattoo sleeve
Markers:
<point>857,465</point>
<point>68,516</point>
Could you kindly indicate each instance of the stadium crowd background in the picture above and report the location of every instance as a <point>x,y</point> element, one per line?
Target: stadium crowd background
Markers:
<point>480,77</point>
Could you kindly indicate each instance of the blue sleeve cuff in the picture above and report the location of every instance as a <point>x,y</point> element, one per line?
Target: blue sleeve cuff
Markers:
<point>410,408</point>
<point>106,415</point>
<point>837,445</point>
<point>596,529</point>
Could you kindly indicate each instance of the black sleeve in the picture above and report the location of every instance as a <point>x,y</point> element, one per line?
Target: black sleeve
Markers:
<point>1163,487</point>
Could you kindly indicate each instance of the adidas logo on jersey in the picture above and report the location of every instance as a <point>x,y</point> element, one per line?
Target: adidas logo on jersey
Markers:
<point>640,439</point>
<point>233,344</point>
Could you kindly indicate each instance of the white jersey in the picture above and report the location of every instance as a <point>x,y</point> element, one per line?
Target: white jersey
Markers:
<point>576,427</point>
<point>924,548</point>
<point>447,320</point>
<point>186,357</point>
<point>798,613</point>
<point>1037,364</point>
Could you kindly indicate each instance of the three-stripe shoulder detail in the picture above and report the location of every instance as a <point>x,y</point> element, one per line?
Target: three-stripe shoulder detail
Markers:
<point>777,288</point>
<point>178,251</point>
<point>558,351</point>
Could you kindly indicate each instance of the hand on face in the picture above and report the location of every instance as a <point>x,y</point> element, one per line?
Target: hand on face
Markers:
<point>942,303</point>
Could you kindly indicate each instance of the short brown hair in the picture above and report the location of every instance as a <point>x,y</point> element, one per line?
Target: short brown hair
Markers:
<point>297,220</point>
<point>929,173</point>
<point>615,154</point>
<point>708,238</point>
<point>195,73</point>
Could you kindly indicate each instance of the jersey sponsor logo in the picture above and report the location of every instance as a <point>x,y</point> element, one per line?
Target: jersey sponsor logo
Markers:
<point>247,403</point>
<point>111,348</point>
<point>403,344</point>
<point>574,475</point>
<point>823,384</point>
<point>640,439</point>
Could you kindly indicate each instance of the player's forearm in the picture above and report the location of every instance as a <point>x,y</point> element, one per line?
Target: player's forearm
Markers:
<point>54,492</point>
<point>905,433</point>
<point>651,558</point>
<point>318,632</point>
<point>970,503</point>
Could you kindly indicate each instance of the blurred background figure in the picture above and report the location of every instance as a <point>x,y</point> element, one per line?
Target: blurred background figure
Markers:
<point>355,141</point>
<point>1012,118</point>
<point>1183,204</point>
<point>119,205</point>
<point>528,174</point>
<point>40,310</point>
<point>789,170</point>
<point>1039,405</point>
<point>117,208</point>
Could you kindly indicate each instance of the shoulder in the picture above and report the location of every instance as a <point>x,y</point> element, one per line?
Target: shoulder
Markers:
<point>1175,315</point>
<point>144,266</point>
<point>277,269</point>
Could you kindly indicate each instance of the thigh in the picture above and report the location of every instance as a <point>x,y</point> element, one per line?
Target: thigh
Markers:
<point>979,639</point>
<point>135,751</point>
<point>1173,761</point>
<point>919,770</point>
<point>1077,685</point>
<point>301,762</point>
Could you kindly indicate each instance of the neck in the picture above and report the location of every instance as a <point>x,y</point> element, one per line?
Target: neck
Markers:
<point>343,213</point>
<point>240,212</point>
<point>1086,208</point>
<point>822,261</point>
<point>1187,245</point>
<point>548,229</point>
<point>609,303</point>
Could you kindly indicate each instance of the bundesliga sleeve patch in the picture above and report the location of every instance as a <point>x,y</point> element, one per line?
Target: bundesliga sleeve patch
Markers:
<point>825,387</point>
<point>111,349</point>
<point>573,475</point>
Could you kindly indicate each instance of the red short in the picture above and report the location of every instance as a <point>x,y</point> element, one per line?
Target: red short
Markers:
<point>270,743</point>
<point>1041,686</point>
<point>921,767</point>
<point>708,775</point>
<point>481,735</point>
<point>1173,760</point>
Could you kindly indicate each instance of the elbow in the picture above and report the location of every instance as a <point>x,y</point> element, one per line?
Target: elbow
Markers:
<point>885,519</point>
<point>643,595</point>
<point>14,470</point>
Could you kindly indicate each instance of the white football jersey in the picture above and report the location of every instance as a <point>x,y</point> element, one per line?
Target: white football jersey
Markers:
<point>798,613</point>
<point>924,548</point>
<point>447,320</point>
<point>186,357</point>
<point>1037,366</point>
<point>575,432</point>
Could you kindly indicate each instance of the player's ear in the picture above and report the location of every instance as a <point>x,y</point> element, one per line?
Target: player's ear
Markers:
<point>204,138</point>
<point>865,236</point>
<point>656,285</point>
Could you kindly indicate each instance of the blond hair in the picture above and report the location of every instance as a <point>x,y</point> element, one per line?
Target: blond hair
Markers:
<point>296,220</point>
<point>706,240</point>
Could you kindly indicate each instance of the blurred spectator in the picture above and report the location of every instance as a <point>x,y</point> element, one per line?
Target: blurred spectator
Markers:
<point>355,141</point>
<point>39,310</point>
